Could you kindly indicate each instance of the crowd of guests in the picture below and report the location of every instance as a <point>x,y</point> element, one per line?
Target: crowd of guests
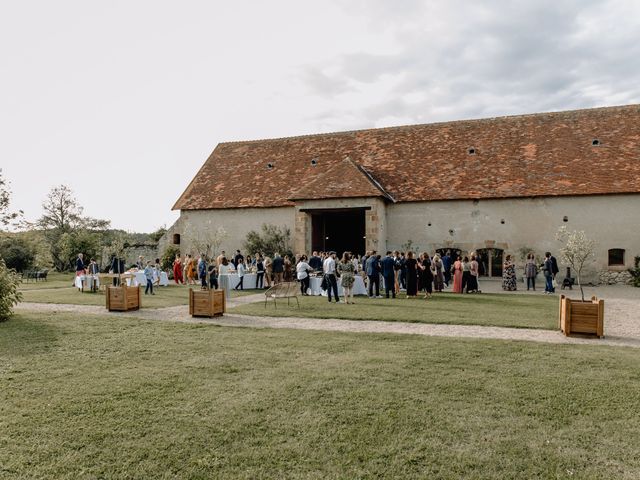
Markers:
<point>416,274</point>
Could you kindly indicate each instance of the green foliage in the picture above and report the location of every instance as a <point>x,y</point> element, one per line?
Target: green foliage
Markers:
<point>169,256</point>
<point>66,230</point>
<point>17,253</point>
<point>9,294</point>
<point>82,241</point>
<point>635,272</point>
<point>157,235</point>
<point>6,217</point>
<point>272,239</point>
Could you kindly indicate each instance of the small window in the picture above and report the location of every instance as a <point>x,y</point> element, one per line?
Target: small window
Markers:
<point>176,239</point>
<point>471,151</point>
<point>616,257</point>
<point>502,221</point>
<point>595,142</point>
<point>269,165</point>
<point>565,219</point>
<point>314,161</point>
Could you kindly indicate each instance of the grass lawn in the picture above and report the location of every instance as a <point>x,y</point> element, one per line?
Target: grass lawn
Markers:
<point>81,397</point>
<point>502,310</point>
<point>54,280</point>
<point>63,292</point>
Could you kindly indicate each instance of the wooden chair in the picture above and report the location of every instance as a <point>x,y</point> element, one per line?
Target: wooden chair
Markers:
<point>286,290</point>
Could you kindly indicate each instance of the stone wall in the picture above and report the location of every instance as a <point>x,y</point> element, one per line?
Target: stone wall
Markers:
<point>613,221</point>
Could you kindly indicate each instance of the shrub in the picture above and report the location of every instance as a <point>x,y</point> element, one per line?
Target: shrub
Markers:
<point>18,254</point>
<point>273,239</point>
<point>9,294</point>
<point>169,255</point>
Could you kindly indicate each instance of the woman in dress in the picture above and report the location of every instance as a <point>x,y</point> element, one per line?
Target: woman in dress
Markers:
<point>177,271</point>
<point>473,279</point>
<point>438,275</point>
<point>466,274</point>
<point>531,270</point>
<point>288,269</point>
<point>189,270</point>
<point>223,275</point>
<point>412,275</point>
<point>268,271</point>
<point>427,276</point>
<point>457,275</point>
<point>509,282</point>
<point>347,271</point>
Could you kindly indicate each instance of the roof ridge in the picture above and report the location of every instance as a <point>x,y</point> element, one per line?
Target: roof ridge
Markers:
<point>447,122</point>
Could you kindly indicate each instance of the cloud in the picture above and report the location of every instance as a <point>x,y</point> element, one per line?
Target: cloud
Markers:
<point>461,60</point>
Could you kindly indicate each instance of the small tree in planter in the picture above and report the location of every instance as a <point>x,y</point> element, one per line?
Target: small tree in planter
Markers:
<point>577,251</point>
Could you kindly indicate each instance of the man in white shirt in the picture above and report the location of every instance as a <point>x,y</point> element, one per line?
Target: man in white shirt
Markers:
<point>329,269</point>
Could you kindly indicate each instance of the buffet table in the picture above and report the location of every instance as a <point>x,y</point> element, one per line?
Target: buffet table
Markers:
<point>358,287</point>
<point>250,280</point>
<point>138,278</point>
<point>90,282</point>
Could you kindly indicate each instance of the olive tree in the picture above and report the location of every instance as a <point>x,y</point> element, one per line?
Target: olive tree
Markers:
<point>577,251</point>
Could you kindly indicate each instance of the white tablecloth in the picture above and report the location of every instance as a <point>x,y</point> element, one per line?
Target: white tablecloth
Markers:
<point>249,283</point>
<point>140,279</point>
<point>88,280</point>
<point>358,287</point>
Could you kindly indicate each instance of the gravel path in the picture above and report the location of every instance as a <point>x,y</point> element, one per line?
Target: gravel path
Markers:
<point>622,320</point>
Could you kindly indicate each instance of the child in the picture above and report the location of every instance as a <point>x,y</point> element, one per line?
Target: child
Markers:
<point>213,277</point>
<point>241,271</point>
<point>148,273</point>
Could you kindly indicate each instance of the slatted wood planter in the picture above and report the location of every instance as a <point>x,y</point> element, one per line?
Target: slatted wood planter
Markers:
<point>585,317</point>
<point>207,303</point>
<point>123,298</point>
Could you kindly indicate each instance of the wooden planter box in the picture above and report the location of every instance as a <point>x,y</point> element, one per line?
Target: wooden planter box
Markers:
<point>207,303</point>
<point>585,317</point>
<point>122,298</point>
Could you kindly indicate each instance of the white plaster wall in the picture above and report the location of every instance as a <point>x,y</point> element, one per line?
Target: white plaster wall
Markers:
<point>237,222</point>
<point>613,221</point>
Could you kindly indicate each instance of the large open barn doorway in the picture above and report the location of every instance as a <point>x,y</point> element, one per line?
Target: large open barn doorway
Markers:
<point>339,230</point>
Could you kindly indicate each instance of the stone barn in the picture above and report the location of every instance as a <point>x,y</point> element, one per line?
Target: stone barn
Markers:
<point>494,186</point>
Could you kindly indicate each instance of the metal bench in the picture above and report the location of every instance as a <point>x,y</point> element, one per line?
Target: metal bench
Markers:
<point>286,290</point>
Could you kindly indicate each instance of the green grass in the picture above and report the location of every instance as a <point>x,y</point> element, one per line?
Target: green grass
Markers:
<point>81,397</point>
<point>521,311</point>
<point>62,292</point>
<point>54,280</point>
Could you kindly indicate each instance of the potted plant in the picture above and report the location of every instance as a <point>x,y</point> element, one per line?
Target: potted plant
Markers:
<point>579,316</point>
<point>122,298</point>
<point>206,303</point>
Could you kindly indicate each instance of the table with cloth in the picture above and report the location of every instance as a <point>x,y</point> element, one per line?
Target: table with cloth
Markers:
<point>358,287</point>
<point>89,282</point>
<point>250,280</point>
<point>139,278</point>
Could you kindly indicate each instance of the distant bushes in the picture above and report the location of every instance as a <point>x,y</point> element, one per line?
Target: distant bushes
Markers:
<point>9,294</point>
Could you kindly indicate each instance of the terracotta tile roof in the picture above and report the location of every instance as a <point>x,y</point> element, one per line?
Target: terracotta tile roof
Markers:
<point>342,180</point>
<point>545,154</point>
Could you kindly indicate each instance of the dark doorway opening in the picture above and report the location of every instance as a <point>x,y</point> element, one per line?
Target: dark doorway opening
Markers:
<point>339,230</point>
<point>490,262</point>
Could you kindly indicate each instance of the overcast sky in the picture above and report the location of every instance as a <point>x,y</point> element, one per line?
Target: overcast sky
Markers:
<point>124,100</point>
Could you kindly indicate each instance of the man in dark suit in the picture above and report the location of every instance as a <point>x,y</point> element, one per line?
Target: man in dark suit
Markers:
<point>278,268</point>
<point>315,262</point>
<point>373,272</point>
<point>117,267</point>
<point>388,273</point>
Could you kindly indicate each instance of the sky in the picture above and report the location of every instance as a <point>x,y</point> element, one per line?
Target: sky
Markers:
<point>123,101</point>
